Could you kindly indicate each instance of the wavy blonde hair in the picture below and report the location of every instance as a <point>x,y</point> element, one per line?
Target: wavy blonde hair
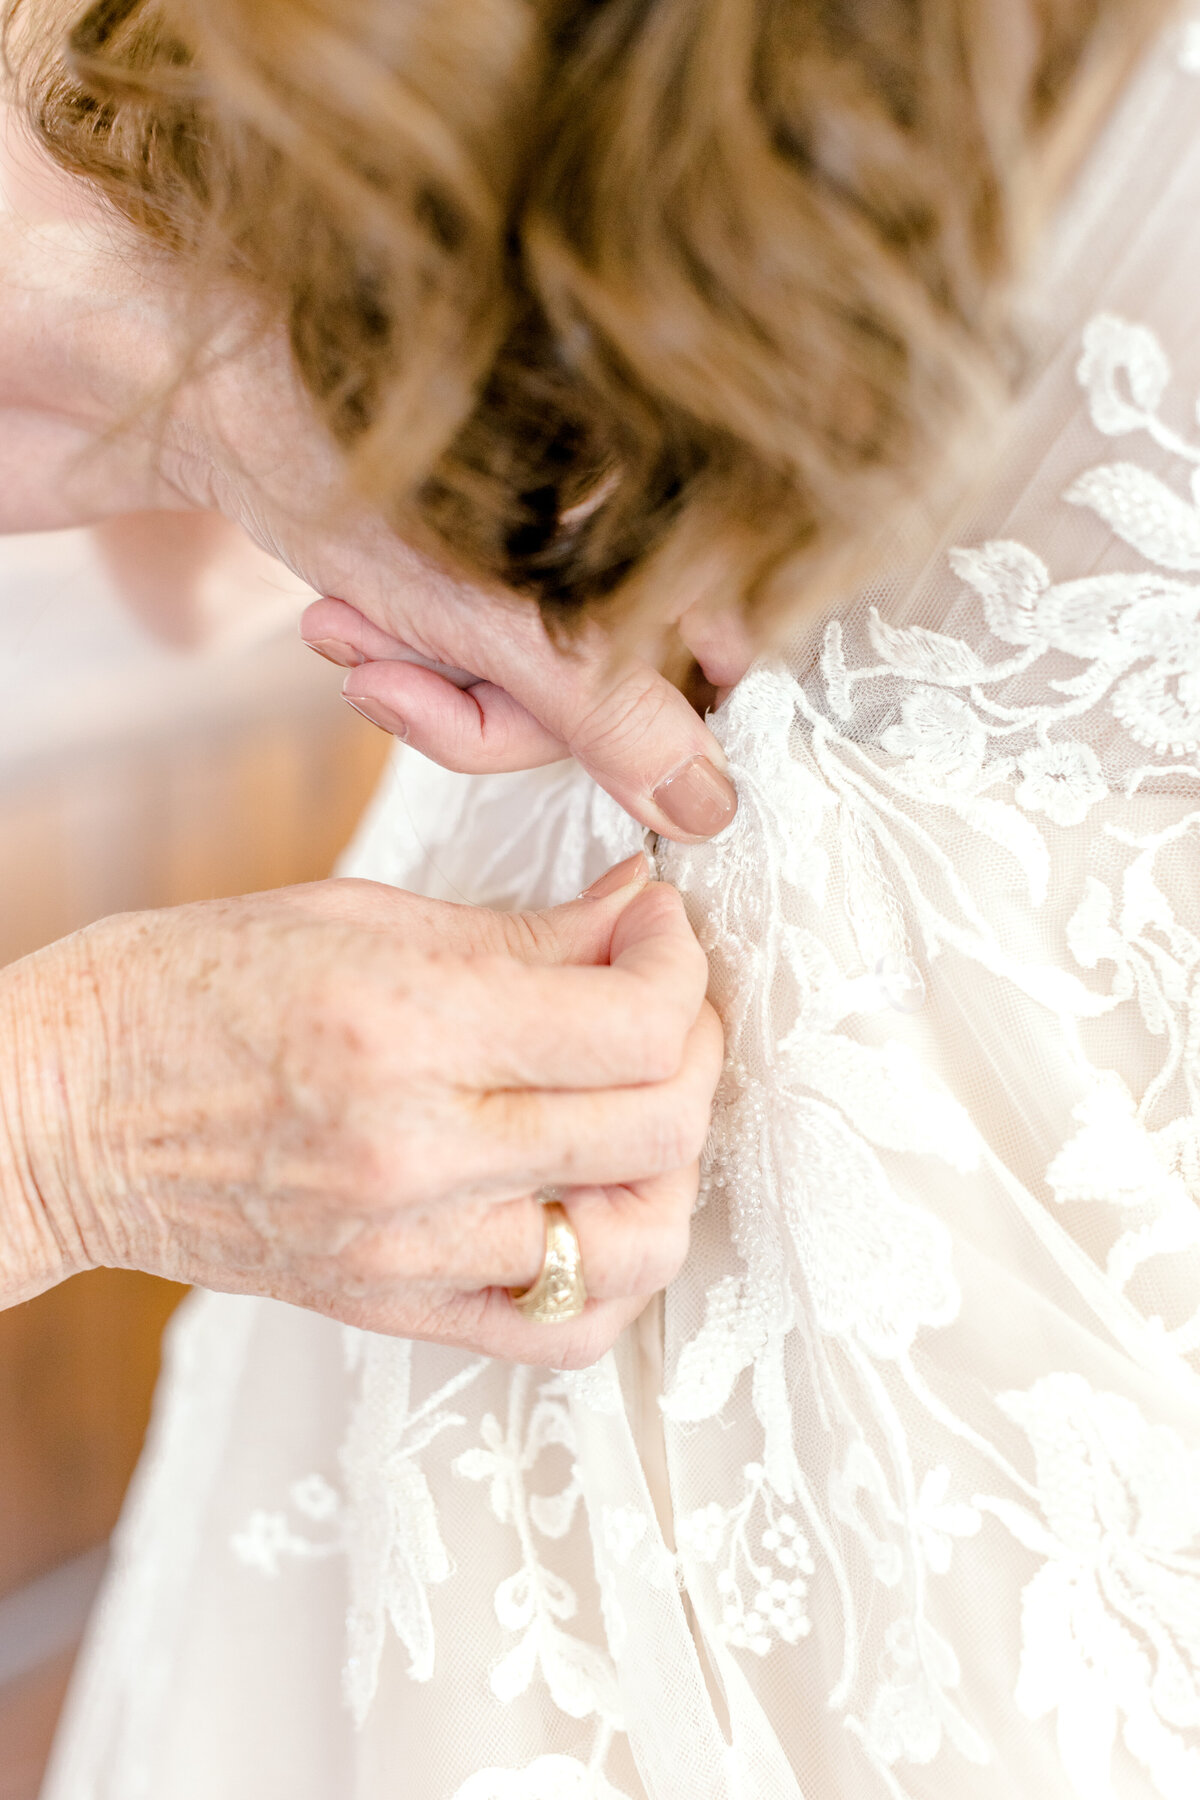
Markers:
<point>614,300</point>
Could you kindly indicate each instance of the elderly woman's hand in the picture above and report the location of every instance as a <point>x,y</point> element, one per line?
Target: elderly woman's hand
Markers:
<point>467,675</point>
<point>92,425</point>
<point>347,1097</point>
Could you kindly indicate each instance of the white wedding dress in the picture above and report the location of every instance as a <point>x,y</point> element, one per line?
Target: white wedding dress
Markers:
<point>896,1494</point>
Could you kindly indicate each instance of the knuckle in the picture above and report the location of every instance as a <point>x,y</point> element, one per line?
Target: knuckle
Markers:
<point>622,716</point>
<point>496,1132</point>
<point>527,936</point>
<point>446,1318</point>
<point>396,1166</point>
<point>370,1173</point>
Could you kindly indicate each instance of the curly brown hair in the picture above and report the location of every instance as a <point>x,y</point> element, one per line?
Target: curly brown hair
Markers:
<point>613,299</point>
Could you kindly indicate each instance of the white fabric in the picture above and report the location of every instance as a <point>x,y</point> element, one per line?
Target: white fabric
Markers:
<point>896,1495</point>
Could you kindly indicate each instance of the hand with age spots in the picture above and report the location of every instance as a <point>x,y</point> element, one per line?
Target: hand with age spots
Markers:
<point>347,1097</point>
<point>343,1095</point>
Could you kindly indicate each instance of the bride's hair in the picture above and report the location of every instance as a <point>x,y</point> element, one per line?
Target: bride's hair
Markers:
<point>614,298</point>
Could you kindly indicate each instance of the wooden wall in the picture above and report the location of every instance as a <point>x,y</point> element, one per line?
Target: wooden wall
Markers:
<point>254,779</point>
<point>253,802</point>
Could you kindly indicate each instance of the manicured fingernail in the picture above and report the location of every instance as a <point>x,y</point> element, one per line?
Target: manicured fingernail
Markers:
<point>335,651</point>
<point>623,876</point>
<point>698,800</point>
<point>380,715</point>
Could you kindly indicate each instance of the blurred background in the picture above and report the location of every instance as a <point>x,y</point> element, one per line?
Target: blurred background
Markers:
<point>164,737</point>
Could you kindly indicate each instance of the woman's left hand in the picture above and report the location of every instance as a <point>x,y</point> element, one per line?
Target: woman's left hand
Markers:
<point>466,674</point>
<point>92,424</point>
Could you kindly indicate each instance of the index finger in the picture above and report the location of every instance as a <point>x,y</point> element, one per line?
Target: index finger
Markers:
<point>627,725</point>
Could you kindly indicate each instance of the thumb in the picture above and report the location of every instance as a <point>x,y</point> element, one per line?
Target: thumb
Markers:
<point>530,702</point>
<point>634,733</point>
<point>640,739</point>
<point>581,931</point>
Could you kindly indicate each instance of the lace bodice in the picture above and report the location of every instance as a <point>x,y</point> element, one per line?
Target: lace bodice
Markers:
<point>896,1496</point>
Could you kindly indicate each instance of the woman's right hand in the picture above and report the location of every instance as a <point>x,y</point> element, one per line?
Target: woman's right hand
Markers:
<point>346,1097</point>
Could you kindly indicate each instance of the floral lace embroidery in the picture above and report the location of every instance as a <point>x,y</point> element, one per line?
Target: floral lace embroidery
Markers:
<point>395,1551</point>
<point>822,1214</point>
<point>535,1602</point>
<point>268,1537</point>
<point>1111,1620</point>
<point>732,1538</point>
<point>833,1133</point>
<point>385,1522</point>
<point>549,1778</point>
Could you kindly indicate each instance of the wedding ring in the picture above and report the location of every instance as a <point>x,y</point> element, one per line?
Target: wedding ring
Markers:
<point>559,1292</point>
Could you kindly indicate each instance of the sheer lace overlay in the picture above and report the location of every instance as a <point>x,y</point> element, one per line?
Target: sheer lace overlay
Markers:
<point>896,1495</point>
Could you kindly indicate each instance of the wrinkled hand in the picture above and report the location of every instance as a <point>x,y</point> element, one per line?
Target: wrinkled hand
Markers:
<point>466,674</point>
<point>634,732</point>
<point>92,326</point>
<point>346,1097</point>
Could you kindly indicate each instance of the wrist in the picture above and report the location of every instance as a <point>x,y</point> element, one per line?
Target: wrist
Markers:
<point>48,1043</point>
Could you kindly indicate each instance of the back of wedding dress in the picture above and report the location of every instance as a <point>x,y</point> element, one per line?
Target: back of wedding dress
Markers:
<point>896,1494</point>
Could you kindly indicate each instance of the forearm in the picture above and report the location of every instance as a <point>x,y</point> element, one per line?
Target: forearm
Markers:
<point>45,1050</point>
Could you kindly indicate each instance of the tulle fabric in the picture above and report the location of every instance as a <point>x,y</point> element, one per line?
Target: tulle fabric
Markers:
<point>895,1495</point>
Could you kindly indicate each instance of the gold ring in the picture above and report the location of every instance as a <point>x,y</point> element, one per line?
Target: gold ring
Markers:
<point>559,1292</point>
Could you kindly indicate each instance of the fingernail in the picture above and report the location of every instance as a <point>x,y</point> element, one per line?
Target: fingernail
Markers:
<point>697,799</point>
<point>380,715</point>
<point>623,876</point>
<point>335,651</point>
